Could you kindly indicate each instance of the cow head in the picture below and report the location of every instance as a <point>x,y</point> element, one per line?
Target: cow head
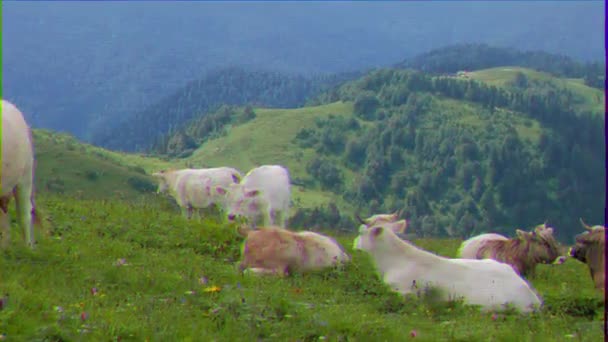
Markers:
<point>543,245</point>
<point>395,227</point>
<point>163,185</point>
<point>241,202</point>
<point>588,243</point>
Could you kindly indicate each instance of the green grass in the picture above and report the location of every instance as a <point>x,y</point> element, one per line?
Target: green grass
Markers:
<point>593,99</point>
<point>157,295</point>
<point>64,165</point>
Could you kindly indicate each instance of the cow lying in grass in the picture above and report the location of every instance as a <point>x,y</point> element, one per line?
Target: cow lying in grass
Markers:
<point>274,250</point>
<point>195,188</point>
<point>16,173</point>
<point>590,248</point>
<point>408,269</point>
<point>522,252</point>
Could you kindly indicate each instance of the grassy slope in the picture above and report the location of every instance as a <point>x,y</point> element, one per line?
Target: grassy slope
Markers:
<point>593,99</point>
<point>268,139</point>
<point>66,165</point>
<point>159,294</point>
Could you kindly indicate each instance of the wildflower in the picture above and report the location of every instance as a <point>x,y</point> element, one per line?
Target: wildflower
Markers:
<point>84,316</point>
<point>121,262</point>
<point>58,309</point>
<point>203,280</point>
<point>190,292</point>
<point>212,289</point>
<point>494,317</point>
<point>94,291</point>
<point>413,333</point>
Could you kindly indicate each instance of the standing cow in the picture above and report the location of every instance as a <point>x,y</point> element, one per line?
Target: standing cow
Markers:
<point>523,252</point>
<point>263,195</point>
<point>194,188</point>
<point>590,248</point>
<point>17,173</point>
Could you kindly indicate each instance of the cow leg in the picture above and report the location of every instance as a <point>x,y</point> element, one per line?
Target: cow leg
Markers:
<point>23,201</point>
<point>5,226</point>
<point>5,229</point>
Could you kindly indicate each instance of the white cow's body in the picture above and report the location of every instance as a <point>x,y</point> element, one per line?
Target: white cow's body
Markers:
<point>408,269</point>
<point>194,188</point>
<point>468,249</point>
<point>264,195</point>
<point>17,171</point>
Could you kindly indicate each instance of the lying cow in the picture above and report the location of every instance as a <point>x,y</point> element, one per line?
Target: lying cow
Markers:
<point>408,269</point>
<point>274,250</point>
<point>194,188</point>
<point>16,173</point>
<point>523,252</point>
<point>263,196</point>
<point>590,248</point>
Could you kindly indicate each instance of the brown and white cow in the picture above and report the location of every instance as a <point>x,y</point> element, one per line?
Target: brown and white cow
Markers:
<point>274,250</point>
<point>522,252</point>
<point>590,248</point>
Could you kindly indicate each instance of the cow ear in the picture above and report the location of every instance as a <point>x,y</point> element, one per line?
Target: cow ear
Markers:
<point>252,193</point>
<point>376,231</point>
<point>220,190</point>
<point>402,226</point>
<point>236,178</point>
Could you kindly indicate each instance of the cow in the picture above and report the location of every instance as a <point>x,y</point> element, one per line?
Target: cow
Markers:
<point>408,269</point>
<point>194,188</point>
<point>17,174</point>
<point>590,248</point>
<point>278,251</point>
<point>522,252</point>
<point>263,195</point>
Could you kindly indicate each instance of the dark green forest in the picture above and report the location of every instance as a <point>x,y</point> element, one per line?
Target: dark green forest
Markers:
<point>227,86</point>
<point>461,173</point>
<point>451,59</point>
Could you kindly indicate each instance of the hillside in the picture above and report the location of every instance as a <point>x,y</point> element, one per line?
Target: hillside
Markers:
<point>585,97</point>
<point>66,166</point>
<point>459,155</point>
<point>135,271</point>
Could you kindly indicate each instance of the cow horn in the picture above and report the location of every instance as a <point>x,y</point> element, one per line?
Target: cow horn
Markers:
<point>360,219</point>
<point>586,226</point>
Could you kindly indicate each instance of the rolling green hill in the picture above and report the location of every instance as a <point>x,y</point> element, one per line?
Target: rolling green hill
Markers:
<point>461,156</point>
<point>65,165</point>
<point>587,98</point>
<point>269,139</point>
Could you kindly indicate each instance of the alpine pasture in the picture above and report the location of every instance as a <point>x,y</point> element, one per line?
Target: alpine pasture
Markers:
<point>115,261</point>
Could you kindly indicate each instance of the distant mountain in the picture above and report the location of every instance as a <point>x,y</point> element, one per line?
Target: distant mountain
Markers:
<point>83,66</point>
<point>467,57</point>
<point>230,86</point>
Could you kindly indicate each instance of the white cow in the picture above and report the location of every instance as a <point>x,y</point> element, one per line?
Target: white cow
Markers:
<point>407,269</point>
<point>262,195</point>
<point>468,249</point>
<point>17,172</point>
<point>194,188</point>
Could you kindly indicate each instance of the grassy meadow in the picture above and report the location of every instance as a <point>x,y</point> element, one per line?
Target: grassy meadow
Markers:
<point>116,262</point>
<point>135,270</point>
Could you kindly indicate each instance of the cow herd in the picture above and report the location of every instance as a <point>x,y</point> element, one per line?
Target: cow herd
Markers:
<point>490,270</point>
